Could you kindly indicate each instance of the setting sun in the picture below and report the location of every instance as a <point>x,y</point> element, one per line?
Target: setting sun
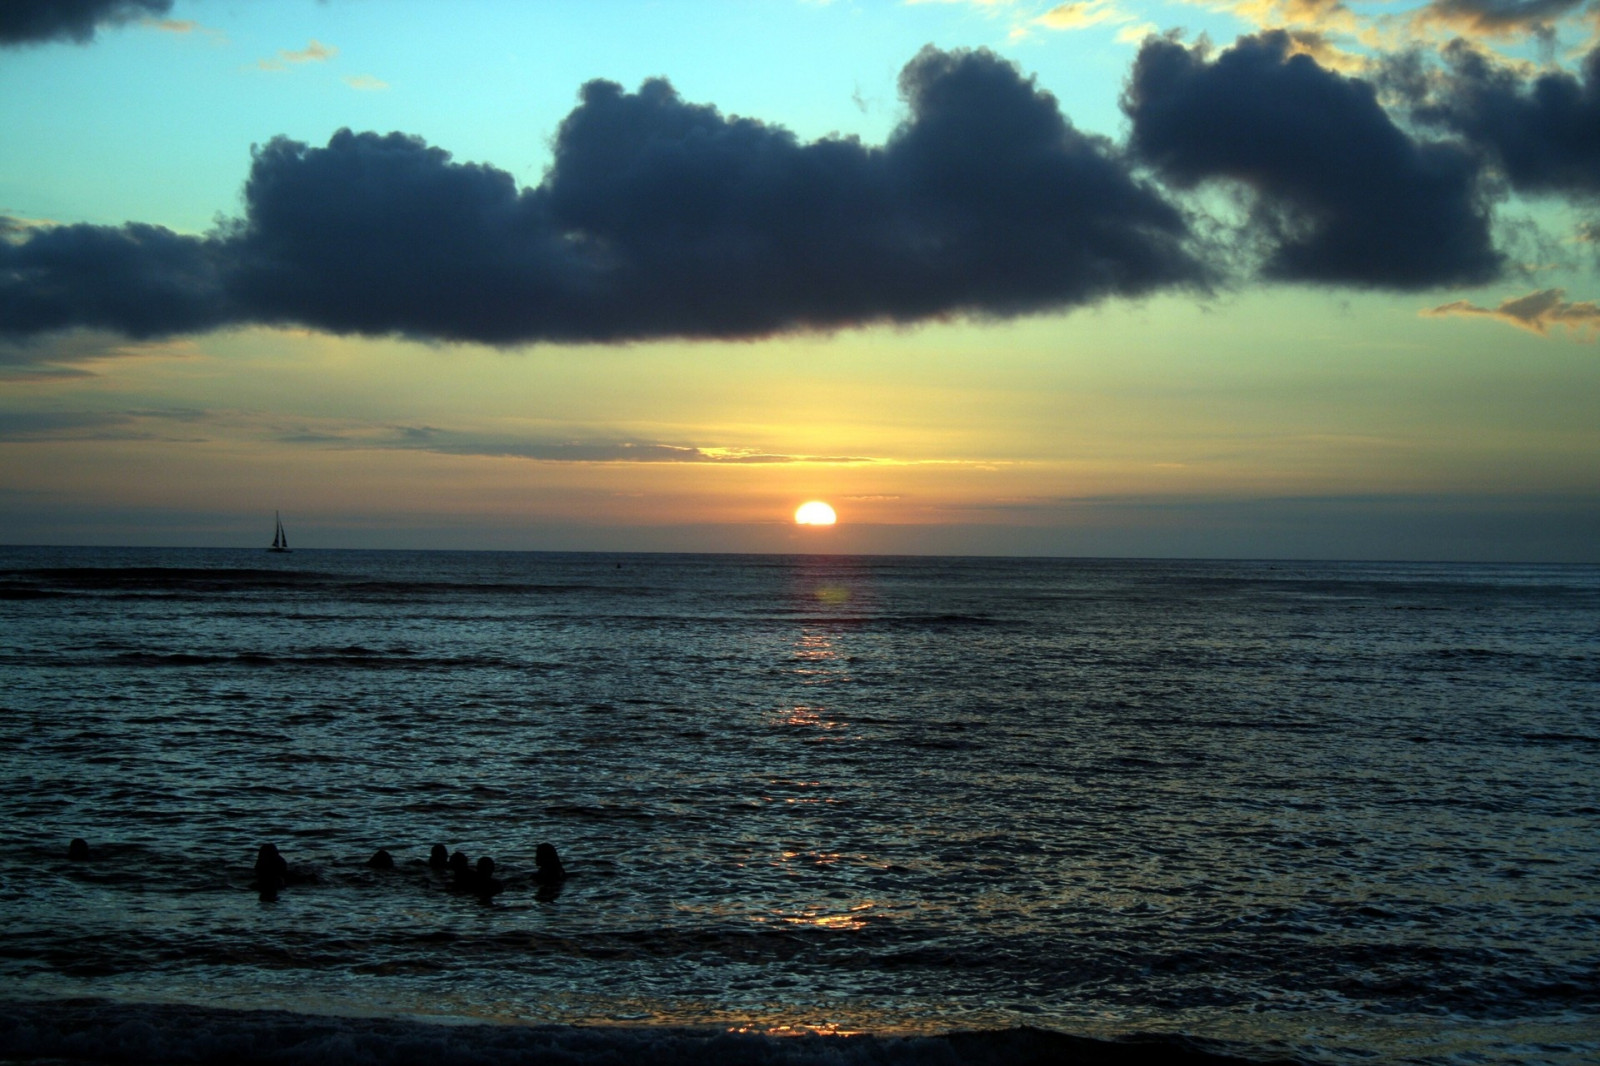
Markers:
<point>815,513</point>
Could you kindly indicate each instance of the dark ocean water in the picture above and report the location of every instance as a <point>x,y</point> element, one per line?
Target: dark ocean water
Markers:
<point>1334,812</point>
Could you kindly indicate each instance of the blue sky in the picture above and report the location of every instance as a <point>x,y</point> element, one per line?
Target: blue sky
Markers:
<point>1284,286</point>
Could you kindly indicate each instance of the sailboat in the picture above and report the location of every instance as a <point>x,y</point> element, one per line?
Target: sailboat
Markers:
<point>280,539</point>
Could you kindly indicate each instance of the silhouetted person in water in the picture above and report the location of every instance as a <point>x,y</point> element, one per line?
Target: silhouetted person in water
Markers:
<point>439,858</point>
<point>78,850</point>
<point>462,876</point>
<point>550,871</point>
<point>381,860</point>
<point>485,884</point>
<point>272,872</point>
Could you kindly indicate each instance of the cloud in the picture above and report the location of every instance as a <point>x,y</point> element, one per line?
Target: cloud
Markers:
<point>365,82</point>
<point>37,21</point>
<point>1503,21</point>
<point>137,280</point>
<point>1328,55</point>
<point>585,449</point>
<point>1081,14</point>
<point>83,354</point>
<point>657,218</point>
<point>1311,14</point>
<point>185,28</point>
<point>313,52</point>
<point>62,425</point>
<point>1339,193</point>
<point>14,229</point>
<point>429,438</point>
<point>630,452</point>
<point>1535,312</point>
<point>1024,19</point>
<point>35,426</point>
<point>40,373</point>
<point>1542,131</point>
<point>1495,18</point>
<point>1320,16</point>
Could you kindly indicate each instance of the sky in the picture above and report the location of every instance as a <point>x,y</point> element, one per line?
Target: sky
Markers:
<point>1224,278</point>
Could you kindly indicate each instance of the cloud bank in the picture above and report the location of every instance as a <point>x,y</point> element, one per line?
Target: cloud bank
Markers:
<point>1339,193</point>
<point>1541,132</point>
<point>37,21</point>
<point>662,218</point>
<point>138,280</point>
<point>1497,18</point>
<point>589,450</point>
<point>657,218</point>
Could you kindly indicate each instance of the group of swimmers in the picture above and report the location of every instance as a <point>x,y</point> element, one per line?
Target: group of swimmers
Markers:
<point>465,877</point>
<point>273,873</point>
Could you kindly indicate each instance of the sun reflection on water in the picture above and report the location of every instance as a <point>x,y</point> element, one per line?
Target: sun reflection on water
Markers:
<point>798,1029</point>
<point>816,916</point>
<point>809,717</point>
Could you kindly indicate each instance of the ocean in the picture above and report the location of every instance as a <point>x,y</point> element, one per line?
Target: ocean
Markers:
<point>812,808</point>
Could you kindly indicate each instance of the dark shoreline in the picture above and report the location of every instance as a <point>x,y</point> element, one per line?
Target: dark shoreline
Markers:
<point>129,1034</point>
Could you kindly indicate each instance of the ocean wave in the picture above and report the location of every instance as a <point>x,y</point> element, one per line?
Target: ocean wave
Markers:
<point>601,812</point>
<point>94,1031</point>
<point>155,582</point>
<point>354,656</point>
<point>899,797</point>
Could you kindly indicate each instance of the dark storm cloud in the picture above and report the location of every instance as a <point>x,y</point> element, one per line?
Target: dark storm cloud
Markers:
<point>138,280</point>
<point>1341,195</point>
<point>1543,132</point>
<point>384,234</point>
<point>985,200</point>
<point>657,218</point>
<point>36,21</point>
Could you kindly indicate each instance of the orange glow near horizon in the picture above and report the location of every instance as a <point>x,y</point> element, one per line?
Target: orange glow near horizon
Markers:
<point>815,513</point>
